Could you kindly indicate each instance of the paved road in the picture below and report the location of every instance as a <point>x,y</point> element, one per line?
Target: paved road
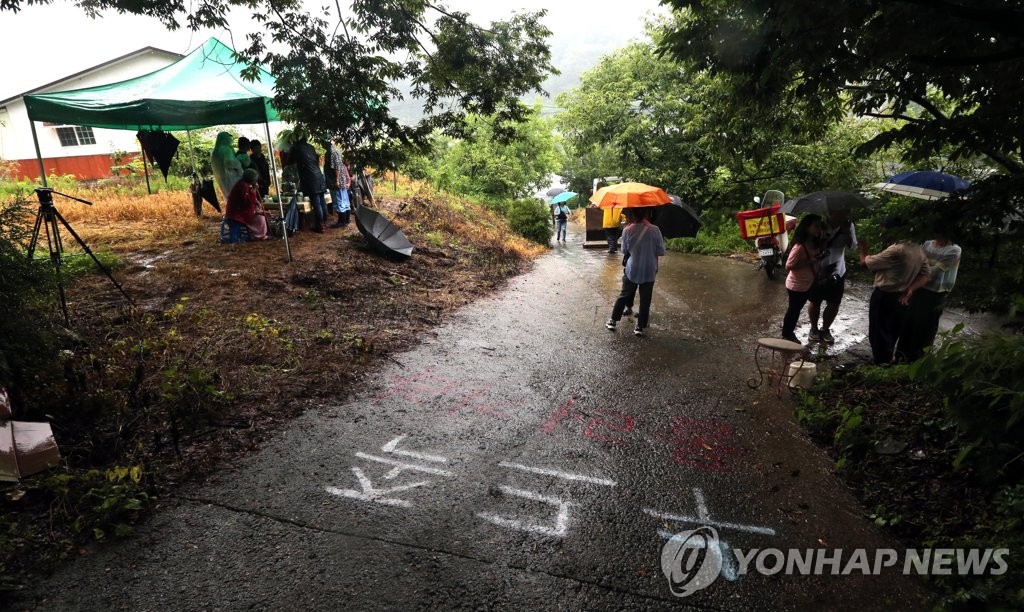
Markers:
<point>523,457</point>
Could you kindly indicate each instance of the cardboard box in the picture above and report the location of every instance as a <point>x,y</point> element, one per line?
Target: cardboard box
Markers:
<point>8,458</point>
<point>26,449</point>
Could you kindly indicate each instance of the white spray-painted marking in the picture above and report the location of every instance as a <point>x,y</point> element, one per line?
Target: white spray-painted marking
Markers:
<point>392,448</point>
<point>729,570</point>
<point>371,494</point>
<point>561,520</point>
<point>558,474</point>
<point>401,465</point>
<point>704,517</point>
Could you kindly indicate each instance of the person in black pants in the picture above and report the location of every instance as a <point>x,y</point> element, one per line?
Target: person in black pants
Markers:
<point>899,270</point>
<point>262,166</point>
<point>801,267</point>
<point>311,178</point>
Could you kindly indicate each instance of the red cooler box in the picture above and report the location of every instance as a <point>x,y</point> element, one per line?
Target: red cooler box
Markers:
<point>761,222</point>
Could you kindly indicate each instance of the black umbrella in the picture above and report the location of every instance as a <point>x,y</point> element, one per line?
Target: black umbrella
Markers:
<point>209,192</point>
<point>676,220</point>
<point>203,190</point>
<point>382,235</point>
<point>824,202</point>
<point>554,191</point>
<point>159,147</point>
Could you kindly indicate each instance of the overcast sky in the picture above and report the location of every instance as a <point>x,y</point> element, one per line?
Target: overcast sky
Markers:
<point>42,44</point>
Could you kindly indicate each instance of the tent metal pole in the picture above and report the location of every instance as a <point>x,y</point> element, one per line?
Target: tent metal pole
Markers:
<point>277,191</point>
<point>39,156</point>
<point>145,165</point>
<point>191,151</point>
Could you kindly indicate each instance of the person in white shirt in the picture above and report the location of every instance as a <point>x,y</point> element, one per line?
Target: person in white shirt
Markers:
<point>927,303</point>
<point>643,247</point>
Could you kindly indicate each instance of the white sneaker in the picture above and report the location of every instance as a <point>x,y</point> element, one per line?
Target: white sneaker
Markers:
<point>611,324</point>
<point>637,331</point>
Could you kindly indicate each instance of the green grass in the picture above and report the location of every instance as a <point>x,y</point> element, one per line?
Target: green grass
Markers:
<point>723,240</point>
<point>77,263</point>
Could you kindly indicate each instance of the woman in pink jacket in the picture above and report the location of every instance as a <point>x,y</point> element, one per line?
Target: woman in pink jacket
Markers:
<point>802,266</point>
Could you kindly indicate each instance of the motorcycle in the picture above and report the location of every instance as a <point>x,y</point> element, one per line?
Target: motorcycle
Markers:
<point>769,229</point>
<point>769,250</point>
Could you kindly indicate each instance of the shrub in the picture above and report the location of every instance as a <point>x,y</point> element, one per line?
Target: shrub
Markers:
<point>982,379</point>
<point>202,142</point>
<point>26,294</point>
<point>531,219</point>
<point>723,240</point>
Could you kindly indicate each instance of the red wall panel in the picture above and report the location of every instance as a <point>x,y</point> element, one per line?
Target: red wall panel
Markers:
<point>84,167</point>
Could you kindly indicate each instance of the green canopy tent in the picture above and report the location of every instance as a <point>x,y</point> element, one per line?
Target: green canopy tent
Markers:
<point>203,89</point>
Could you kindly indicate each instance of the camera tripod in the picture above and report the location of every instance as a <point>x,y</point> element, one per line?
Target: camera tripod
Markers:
<point>47,217</point>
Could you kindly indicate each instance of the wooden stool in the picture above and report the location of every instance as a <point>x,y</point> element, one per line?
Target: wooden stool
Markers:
<point>781,352</point>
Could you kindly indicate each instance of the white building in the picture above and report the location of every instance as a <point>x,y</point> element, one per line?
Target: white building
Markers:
<point>69,149</point>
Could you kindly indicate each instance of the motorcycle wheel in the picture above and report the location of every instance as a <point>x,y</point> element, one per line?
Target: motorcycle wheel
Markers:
<point>769,269</point>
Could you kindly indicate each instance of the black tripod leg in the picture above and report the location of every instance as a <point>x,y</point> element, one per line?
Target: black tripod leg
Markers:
<point>86,248</point>
<point>53,244</point>
<point>35,235</point>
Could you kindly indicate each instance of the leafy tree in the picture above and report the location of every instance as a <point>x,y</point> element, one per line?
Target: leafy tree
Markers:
<point>948,69</point>
<point>586,161</point>
<point>668,124</point>
<point>946,73</point>
<point>336,70</point>
<point>484,165</point>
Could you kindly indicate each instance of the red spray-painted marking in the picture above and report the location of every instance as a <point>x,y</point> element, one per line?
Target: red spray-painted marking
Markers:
<point>474,400</point>
<point>427,385</point>
<point>421,387</point>
<point>625,424</point>
<point>561,414</point>
<point>705,444</point>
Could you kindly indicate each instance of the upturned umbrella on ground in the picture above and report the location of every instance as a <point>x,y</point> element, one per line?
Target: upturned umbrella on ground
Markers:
<point>159,147</point>
<point>554,191</point>
<point>565,196</point>
<point>923,184</point>
<point>382,235</point>
<point>676,220</point>
<point>824,202</point>
<point>629,195</point>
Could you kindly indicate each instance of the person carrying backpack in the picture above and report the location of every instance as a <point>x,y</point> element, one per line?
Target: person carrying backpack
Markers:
<point>561,221</point>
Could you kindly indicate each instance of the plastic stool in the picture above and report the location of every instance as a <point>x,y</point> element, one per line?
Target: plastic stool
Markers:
<point>233,232</point>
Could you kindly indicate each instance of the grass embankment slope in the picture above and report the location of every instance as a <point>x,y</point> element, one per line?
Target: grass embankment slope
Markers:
<point>223,343</point>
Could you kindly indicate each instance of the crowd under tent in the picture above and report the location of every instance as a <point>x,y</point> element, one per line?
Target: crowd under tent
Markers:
<point>203,89</point>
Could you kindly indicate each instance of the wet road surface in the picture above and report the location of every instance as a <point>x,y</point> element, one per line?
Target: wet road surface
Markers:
<point>522,457</point>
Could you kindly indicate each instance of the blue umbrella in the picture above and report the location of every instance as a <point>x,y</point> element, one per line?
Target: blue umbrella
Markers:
<point>565,196</point>
<point>923,184</point>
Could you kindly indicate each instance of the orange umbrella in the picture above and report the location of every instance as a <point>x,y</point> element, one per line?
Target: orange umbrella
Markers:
<point>629,195</point>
